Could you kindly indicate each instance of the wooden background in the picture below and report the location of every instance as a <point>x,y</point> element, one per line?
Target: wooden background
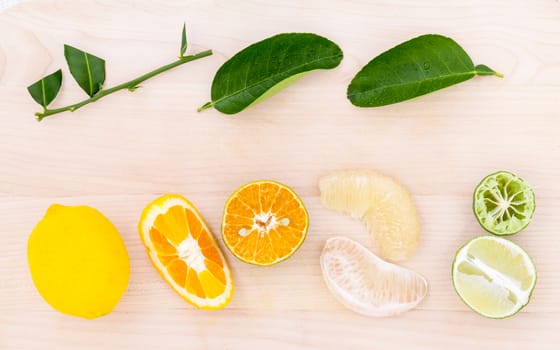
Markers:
<point>120,153</point>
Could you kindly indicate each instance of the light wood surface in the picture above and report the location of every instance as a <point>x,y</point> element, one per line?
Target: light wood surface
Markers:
<point>120,153</point>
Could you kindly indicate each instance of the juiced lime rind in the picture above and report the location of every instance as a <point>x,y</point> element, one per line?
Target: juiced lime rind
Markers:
<point>529,294</point>
<point>517,201</point>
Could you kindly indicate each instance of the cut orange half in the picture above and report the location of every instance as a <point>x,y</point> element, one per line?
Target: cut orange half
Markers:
<point>264,223</point>
<point>185,252</point>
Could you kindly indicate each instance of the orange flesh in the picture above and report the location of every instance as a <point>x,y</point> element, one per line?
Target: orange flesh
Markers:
<point>264,223</point>
<point>168,232</point>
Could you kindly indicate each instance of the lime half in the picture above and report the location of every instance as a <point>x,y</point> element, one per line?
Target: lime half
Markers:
<point>494,276</point>
<point>503,203</point>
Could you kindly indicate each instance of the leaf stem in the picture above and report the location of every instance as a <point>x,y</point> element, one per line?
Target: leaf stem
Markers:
<point>207,105</point>
<point>129,85</point>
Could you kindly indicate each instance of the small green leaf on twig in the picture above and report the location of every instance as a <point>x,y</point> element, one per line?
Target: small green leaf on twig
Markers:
<point>183,41</point>
<point>88,70</point>
<point>45,90</point>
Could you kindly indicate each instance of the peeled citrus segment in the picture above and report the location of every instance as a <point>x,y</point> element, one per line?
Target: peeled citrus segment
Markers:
<point>381,203</point>
<point>494,276</point>
<point>184,251</point>
<point>264,223</point>
<point>366,284</point>
<point>503,203</point>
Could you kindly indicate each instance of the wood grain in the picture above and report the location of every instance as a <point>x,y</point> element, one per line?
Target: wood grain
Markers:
<point>120,153</point>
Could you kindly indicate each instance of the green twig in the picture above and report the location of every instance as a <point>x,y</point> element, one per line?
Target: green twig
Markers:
<point>129,85</point>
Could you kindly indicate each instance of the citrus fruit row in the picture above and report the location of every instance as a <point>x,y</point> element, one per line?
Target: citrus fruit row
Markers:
<point>492,275</point>
<point>80,265</point>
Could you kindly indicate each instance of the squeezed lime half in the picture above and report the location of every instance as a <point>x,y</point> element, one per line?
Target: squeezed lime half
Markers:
<point>503,203</point>
<point>494,276</point>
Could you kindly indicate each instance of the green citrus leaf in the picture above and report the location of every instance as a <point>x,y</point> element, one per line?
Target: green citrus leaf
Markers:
<point>256,71</point>
<point>183,41</point>
<point>88,70</point>
<point>416,67</point>
<point>45,90</point>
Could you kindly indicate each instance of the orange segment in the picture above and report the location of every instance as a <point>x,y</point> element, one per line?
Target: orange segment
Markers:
<point>172,224</point>
<point>204,240</point>
<point>177,269</point>
<point>250,197</point>
<point>212,253</point>
<point>247,246</point>
<point>166,259</point>
<point>185,253</point>
<point>211,285</point>
<point>284,238</point>
<point>283,201</point>
<point>193,284</point>
<point>277,241</point>
<point>195,226</point>
<point>241,209</point>
<point>216,270</point>
<point>161,244</point>
<point>265,251</point>
<point>267,195</point>
<point>264,222</point>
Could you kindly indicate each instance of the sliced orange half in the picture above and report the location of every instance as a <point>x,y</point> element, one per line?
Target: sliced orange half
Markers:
<point>185,252</point>
<point>264,223</point>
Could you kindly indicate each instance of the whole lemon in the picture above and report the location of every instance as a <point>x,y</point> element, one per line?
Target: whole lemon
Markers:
<point>78,261</point>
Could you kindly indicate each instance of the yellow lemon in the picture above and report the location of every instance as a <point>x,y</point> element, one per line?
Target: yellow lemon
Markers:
<point>78,261</point>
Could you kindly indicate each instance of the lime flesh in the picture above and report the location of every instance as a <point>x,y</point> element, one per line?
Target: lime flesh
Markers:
<point>503,203</point>
<point>493,276</point>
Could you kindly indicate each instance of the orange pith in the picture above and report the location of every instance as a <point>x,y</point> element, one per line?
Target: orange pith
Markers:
<point>184,251</point>
<point>264,223</point>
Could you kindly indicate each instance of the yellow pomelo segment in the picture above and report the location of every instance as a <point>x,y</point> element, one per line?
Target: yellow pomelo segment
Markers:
<point>381,203</point>
<point>367,284</point>
<point>494,276</point>
<point>78,261</point>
